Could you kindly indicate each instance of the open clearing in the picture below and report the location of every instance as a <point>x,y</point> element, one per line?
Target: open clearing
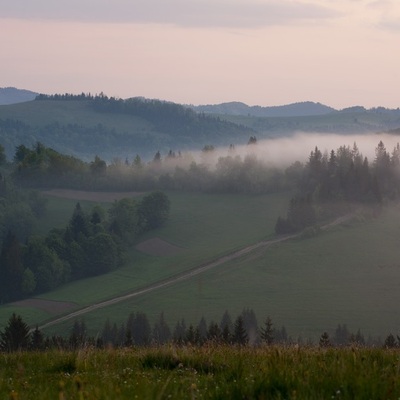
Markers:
<point>50,306</point>
<point>158,247</point>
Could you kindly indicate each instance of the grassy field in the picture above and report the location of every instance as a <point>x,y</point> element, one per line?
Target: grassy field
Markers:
<point>346,275</point>
<point>207,373</point>
<point>203,226</point>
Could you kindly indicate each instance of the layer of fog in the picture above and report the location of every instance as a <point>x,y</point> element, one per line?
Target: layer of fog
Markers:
<point>282,152</point>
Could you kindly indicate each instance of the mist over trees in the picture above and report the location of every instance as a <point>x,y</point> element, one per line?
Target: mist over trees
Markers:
<point>336,182</point>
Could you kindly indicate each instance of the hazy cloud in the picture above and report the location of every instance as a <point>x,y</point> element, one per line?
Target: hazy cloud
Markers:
<point>387,14</point>
<point>188,13</point>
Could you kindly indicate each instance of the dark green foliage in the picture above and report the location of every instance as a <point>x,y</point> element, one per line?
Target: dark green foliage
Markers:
<point>15,336</point>
<point>78,335</point>
<point>11,269</point>
<point>43,166</point>
<point>141,330</point>
<point>343,177</point>
<point>153,210</point>
<point>3,157</point>
<point>240,336</point>
<point>214,333</point>
<point>301,214</point>
<point>179,332</point>
<point>160,361</point>
<point>267,332</point>
<point>37,339</point>
<point>91,244</point>
<point>390,342</point>
<point>47,267</point>
<point>101,254</point>
<point>324,340</point>
<point>161,331</point>
<point>125,219</point>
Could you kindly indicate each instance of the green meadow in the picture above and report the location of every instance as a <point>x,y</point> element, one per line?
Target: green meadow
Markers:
<point>346,275</point>
<point>203,227</point>
<point>207,373</point>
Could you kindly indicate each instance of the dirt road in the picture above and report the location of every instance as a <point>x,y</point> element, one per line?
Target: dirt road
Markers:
<point>184,275</point>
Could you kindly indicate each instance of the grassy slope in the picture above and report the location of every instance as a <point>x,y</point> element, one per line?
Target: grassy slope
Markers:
<point>205,226</point>
<point>346,275</point>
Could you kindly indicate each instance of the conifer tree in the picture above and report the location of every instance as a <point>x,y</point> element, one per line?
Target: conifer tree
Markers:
<point>324,340</point>
<point>267,333</point>
<point>239,333</point>
<point>15,336</point>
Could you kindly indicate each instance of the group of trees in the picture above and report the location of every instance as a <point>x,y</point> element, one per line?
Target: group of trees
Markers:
<point>20,210</point>
<point>41,166</point>
<point>92,243</point>
<point>345,176</point>
<point>242,330</point>
<point>137,331</point>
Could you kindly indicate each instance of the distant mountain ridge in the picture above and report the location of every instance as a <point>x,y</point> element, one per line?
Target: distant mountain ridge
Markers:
<point>12,95</point>
<point>302,109</point>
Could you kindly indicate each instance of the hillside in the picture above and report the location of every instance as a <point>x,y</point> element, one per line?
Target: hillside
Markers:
<point>85,126</point>
<point>11,95</point>
<point>302,109</point>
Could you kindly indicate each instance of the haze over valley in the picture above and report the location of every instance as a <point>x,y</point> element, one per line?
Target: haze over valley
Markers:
<point>200,199</point>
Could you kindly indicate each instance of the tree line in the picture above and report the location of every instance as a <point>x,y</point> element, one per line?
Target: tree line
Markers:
<point>41,166</point>
<point>330,185</point>
<point>137,331</point>
<point>92,243</point>
<point>343,175</point>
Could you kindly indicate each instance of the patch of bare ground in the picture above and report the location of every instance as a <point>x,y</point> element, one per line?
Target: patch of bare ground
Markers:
<point>50,306</point>
<point>158,247</point>
<point>90,196</point>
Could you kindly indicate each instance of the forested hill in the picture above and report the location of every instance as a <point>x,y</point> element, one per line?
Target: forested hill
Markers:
<point>302,109</point>
<point>85,125</point>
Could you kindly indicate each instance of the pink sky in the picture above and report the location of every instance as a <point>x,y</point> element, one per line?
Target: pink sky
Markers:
<point>266,52</point>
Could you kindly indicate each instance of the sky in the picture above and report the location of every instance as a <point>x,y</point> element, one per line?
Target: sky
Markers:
<point>261,52</point>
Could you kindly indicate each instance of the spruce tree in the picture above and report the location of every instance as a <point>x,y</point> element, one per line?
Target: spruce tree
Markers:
<point>239,333</point>
<point>15,336</point>
<point>267,333</point>
<point>324,340</point>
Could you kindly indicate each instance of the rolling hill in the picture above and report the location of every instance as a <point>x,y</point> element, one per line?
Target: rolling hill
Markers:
<point>303,109</point>
<point>11,95</point>
<point>85,126</point>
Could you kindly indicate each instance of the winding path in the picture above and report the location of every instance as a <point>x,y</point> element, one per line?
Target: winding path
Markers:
<point>184,275</point>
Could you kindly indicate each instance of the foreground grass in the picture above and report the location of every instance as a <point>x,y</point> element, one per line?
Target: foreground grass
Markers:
<point>208,373</point>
